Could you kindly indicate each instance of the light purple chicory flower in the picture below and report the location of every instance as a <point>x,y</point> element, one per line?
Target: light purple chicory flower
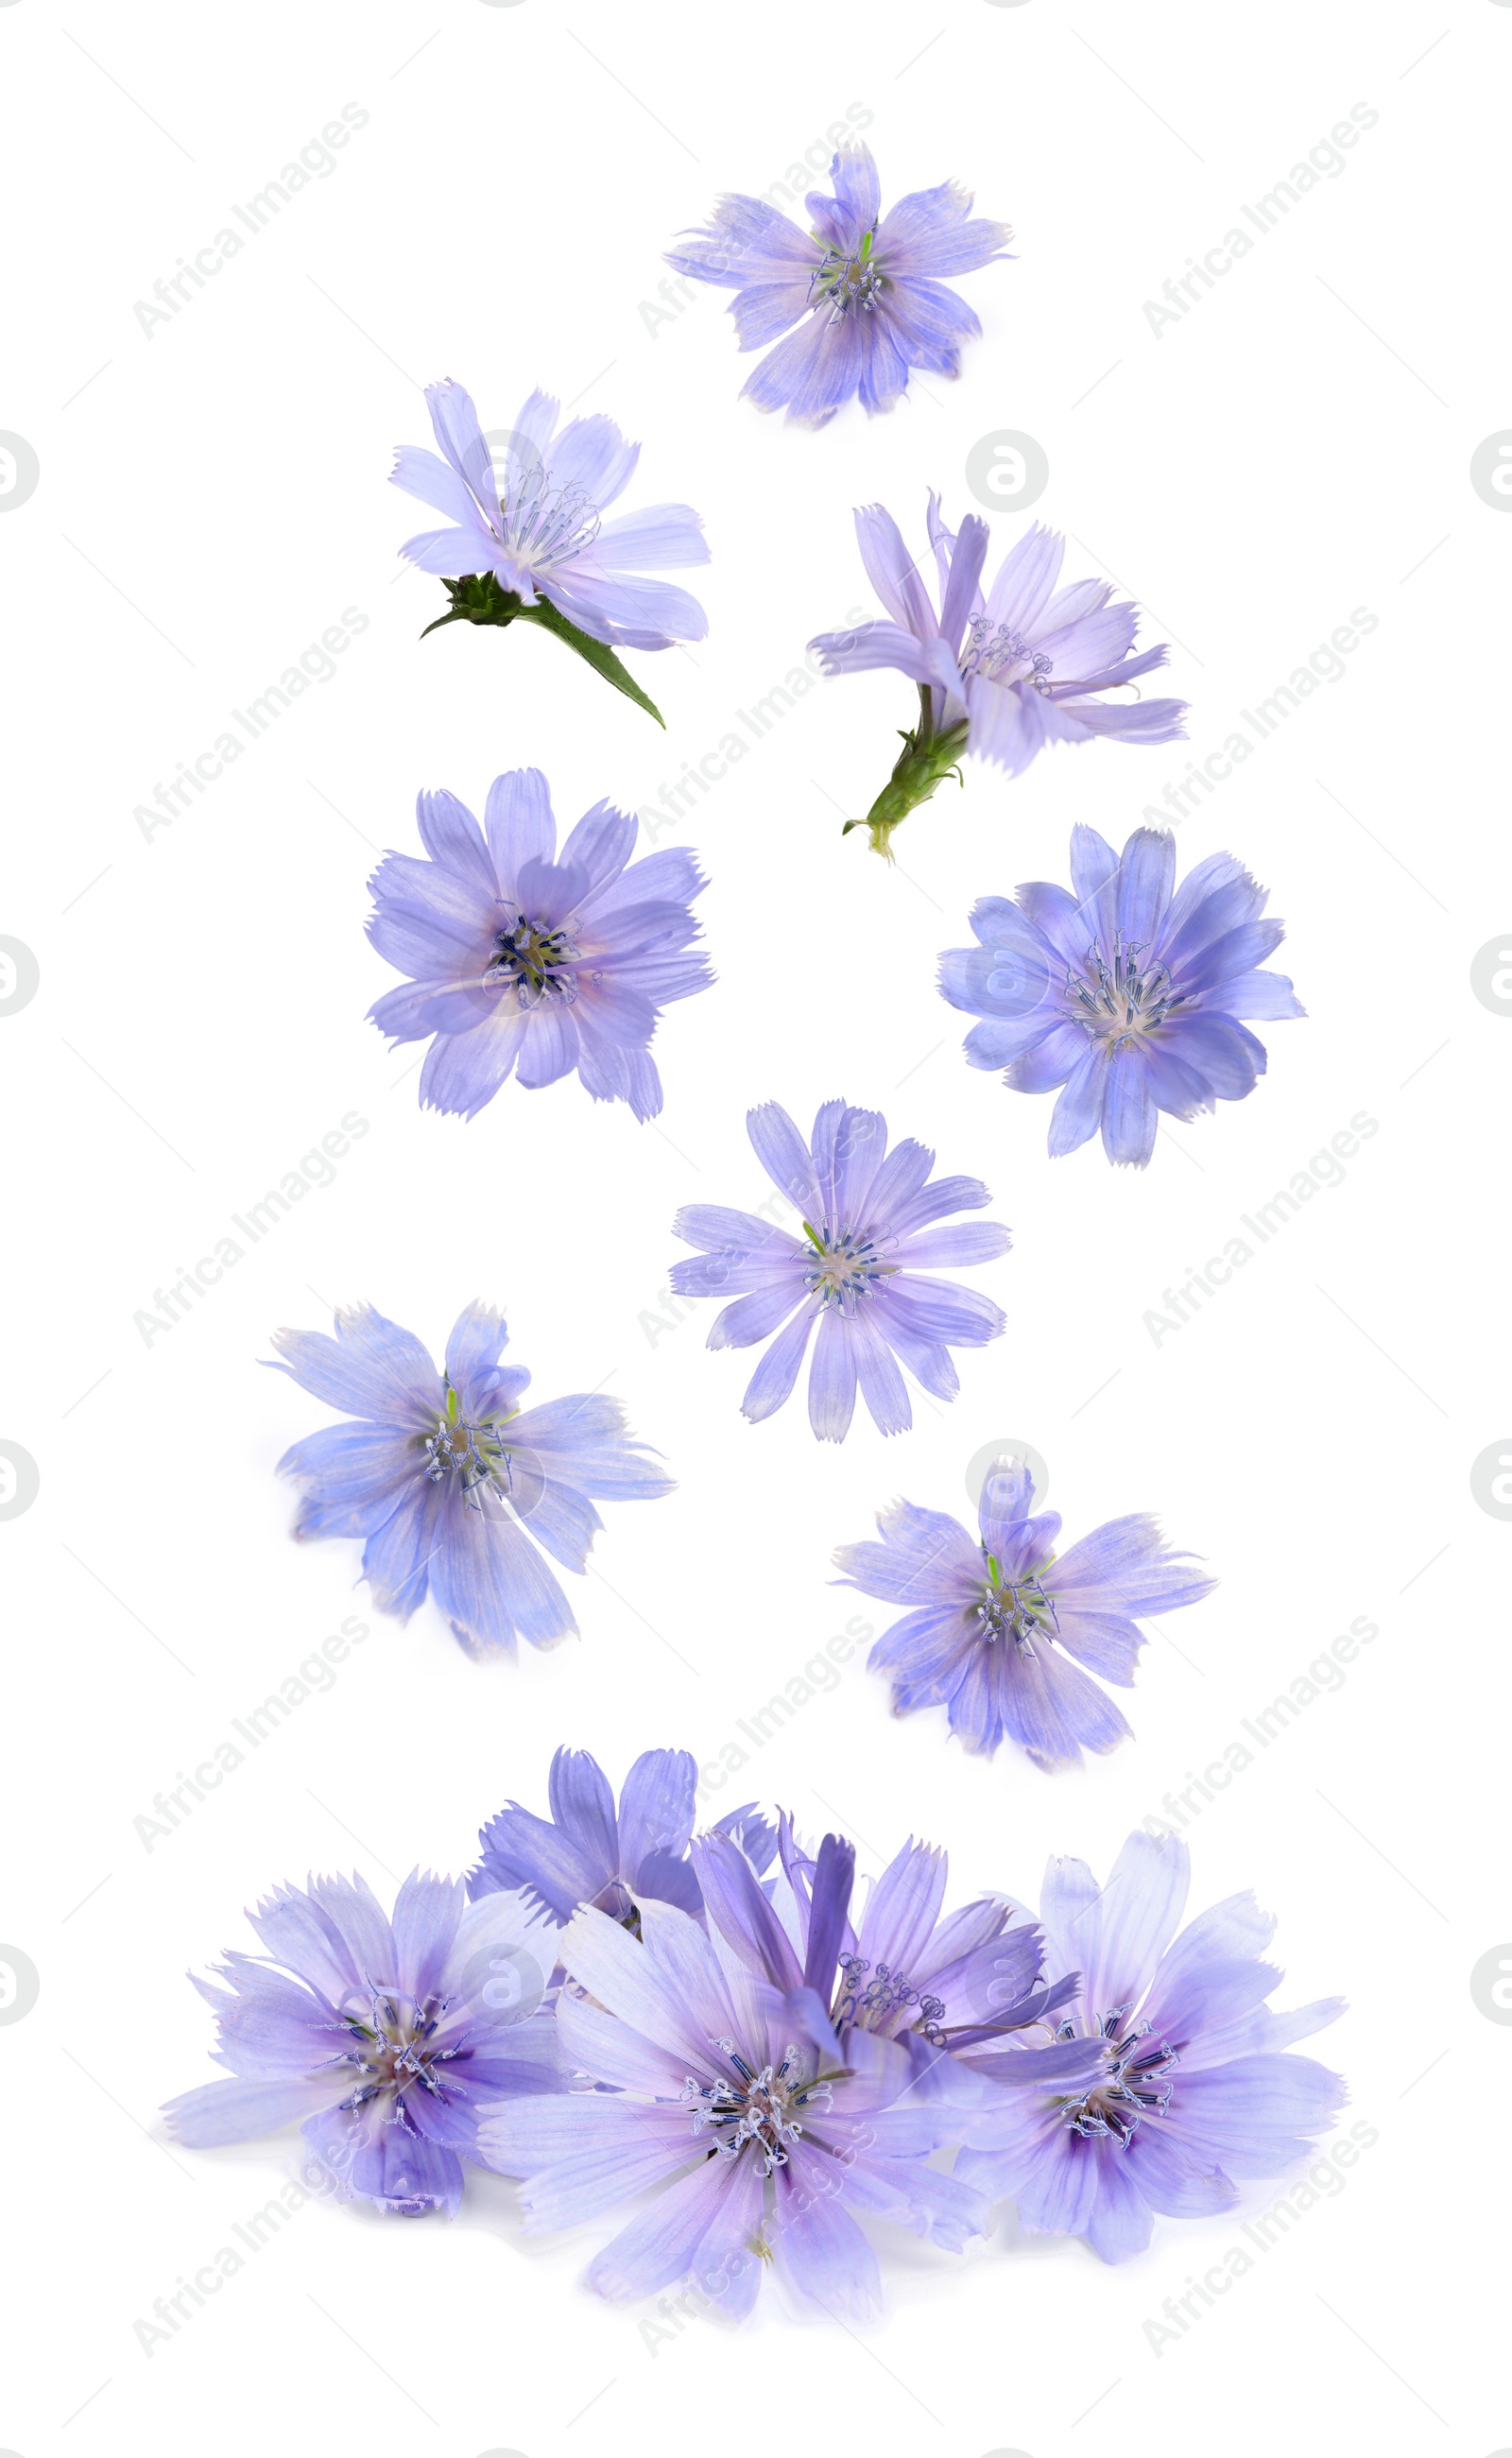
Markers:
<point>1005,1632</point>
<point>447,1479</point>
<point>529,961</point>
<point>855,1276</point>
<point>384,2035</point>
<point>585,1853</point>
<point>1194,2093</point>
<point>765,2133</point>
<point>999,674</point>
<point>1125,991</point>
<point>541,531</point>
<point>863,288</point>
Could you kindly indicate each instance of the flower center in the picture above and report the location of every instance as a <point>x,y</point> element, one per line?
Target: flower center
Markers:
<point>847,284</point>
<point>871,2004</point>
<point>1130,2089</point>
<point>544,524</point>
<point>475,1455</point>
<point>995,655</point>
<point>1122,1002</point>
<point>536,962</point>
<point>844,1266</point>
<point>1016,1609</point>
<point>391,2049</point>
<point>754,2107</point>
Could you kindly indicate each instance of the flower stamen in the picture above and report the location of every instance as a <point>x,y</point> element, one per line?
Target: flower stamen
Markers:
<point>755,2107</point>
<point>996,654</point>
<point>474,1454</point>
<point>847,284</point>
<point>1131,2090</point>
<point>1124,1002</point>
<point>1019,1610</point>
<point>536,962</point>
<point>846,1269</point>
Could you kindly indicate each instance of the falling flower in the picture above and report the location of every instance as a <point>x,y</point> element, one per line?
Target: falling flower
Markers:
<point>585,1853</point>
<point>737,2100</point>
<point>861,287</point>
<point>384,2036</point>
<point>993,1627</point>
<point>999,675</point>
<point>1193,2091</point>
<point>526,961</point>
<point>853,1274</point>
<point>535,546</point>
<point>443,1474</point>
<point>1124,993</point>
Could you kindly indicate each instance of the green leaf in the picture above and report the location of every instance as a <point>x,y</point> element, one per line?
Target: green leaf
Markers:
<point>594,653</point>
<point>478,598</point>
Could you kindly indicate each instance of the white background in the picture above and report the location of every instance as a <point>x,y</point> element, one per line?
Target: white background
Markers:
<point>211,498</point>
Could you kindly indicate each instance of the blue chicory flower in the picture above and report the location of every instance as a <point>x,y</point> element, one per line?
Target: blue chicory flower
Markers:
<point>542,533</point>
<point>958,1991</point>
<point>737,2099</point>
<point>1194,2091</point>
<point>864,288</point>
<point>530,961</point>
<point>1125,991</point>
<point>447,1479</point>
<point>1005,1632</point>
<point>999,675</point>
<point>384,2036</point>
<point>585,1853</point>
<point>853,1274</point>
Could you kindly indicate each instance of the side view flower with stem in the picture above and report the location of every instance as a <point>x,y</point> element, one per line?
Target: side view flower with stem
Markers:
<point>1000,673</point>
<point>530,543</point>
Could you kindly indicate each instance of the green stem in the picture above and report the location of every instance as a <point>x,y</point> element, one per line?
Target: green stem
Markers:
<point>924,761</point>
<point>478,598</point>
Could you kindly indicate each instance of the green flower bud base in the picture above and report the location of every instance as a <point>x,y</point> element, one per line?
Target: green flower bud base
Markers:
<point>924,761</point>
<point>478,598</point>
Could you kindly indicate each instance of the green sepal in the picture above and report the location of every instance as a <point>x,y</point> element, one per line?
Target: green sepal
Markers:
<point>925,760</point>
<point>478,598</point>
